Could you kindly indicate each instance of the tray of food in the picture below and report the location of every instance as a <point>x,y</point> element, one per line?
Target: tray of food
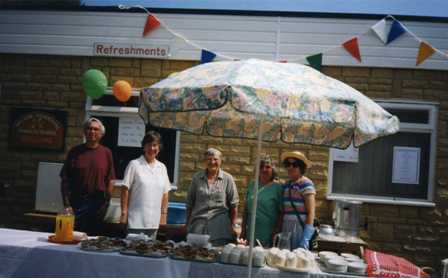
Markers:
<point>199,254</point>
<point>103,244</point>
<point>145,248</point>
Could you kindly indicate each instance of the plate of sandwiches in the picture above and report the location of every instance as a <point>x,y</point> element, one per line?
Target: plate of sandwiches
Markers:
<point>103,244</point>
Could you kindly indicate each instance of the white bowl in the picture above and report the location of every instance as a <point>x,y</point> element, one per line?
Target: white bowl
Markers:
<point>354,260</point>
<point>357,267</point>
<point>349,255</point>
<point>337,265</point>
<point>328,257</point>
<point>325,253</point>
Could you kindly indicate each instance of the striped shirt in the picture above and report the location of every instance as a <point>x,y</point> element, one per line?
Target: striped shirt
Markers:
<point>298,189</point>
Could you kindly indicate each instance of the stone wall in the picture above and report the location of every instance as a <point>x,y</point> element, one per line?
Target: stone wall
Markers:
<point>419,234</point>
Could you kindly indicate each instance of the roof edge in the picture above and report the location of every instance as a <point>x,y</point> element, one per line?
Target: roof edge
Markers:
<point>225,12</point>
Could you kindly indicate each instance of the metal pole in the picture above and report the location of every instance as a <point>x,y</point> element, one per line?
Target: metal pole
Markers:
<point>254,203</point>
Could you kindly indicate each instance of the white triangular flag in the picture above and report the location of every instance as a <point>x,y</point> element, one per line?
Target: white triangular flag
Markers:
<point>380,29</point>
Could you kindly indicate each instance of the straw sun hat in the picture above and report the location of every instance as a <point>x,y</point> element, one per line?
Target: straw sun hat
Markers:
<point>297,155</point>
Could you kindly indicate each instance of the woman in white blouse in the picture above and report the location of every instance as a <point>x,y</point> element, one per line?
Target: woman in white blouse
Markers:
<point>144,194</point>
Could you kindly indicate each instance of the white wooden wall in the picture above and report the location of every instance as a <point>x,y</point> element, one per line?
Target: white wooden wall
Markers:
<point>271,38</point>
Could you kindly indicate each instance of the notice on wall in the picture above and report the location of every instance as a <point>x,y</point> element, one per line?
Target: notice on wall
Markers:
<point>350,154</point>
<point>406,165</point>
<point>131,131</point>
<point>130,50</point>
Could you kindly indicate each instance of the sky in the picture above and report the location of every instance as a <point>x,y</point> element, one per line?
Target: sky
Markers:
<point>417,8</point>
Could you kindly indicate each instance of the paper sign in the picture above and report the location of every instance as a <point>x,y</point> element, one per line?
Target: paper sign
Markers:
<point>351,154</point>
<point>131,131</point>
<point>406,165</point>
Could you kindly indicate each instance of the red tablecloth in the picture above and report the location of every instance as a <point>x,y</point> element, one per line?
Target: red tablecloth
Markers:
<point>389,266</point>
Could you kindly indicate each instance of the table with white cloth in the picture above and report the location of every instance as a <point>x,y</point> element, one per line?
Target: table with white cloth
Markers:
<point>29,254</point>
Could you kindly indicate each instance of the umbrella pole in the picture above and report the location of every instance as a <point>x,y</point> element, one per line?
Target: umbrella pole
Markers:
<point>254,203</point>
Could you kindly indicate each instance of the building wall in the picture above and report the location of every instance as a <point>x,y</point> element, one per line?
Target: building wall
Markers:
<point>53,82</point>
<point>235,36</point>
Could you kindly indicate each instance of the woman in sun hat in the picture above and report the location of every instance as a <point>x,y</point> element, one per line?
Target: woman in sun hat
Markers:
<point>298,200</point>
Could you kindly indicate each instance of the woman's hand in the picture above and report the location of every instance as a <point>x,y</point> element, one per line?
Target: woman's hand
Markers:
<point>124,218</point>
<point>241,241</point>
<point>307,234</point>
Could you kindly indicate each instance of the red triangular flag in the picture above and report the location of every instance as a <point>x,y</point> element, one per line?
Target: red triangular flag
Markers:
<point>352,47</point>
<point>151,23</point>
<point>424,52</point>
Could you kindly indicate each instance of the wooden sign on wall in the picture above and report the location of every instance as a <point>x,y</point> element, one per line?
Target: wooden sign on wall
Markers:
<point>37,129</point>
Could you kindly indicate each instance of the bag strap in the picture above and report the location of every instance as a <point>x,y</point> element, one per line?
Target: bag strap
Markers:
<point>295,209</point>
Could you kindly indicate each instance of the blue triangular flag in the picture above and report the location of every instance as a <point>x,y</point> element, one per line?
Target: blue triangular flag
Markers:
<point>207,56</point>
<point>395,31</point>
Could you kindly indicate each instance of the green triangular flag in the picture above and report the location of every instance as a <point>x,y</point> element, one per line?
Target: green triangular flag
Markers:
<point>315,61</point>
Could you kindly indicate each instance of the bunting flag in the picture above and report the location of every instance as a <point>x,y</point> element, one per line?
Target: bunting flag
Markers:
<point>207,56</point>
<point>151,23</point>
<point>380,29</point>
<point>315,61</point>
<point>395,31</point>
<point>424,52</point>
<point>352,47</point>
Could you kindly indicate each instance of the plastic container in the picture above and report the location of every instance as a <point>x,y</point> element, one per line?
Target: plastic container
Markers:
<point>177,213</point>
<point>259,256</point>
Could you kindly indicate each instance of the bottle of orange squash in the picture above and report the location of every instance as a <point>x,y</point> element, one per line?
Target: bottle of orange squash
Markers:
<point>65,222</point>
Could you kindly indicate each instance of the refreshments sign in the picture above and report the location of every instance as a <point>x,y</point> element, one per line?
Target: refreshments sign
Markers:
<point>130,50</point>
<point>37,129</point>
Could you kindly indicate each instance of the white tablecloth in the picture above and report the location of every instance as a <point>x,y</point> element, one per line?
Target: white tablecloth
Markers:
<point>28,254</point>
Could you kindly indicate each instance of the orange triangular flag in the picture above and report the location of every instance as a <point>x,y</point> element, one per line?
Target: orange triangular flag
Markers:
<point>424,52</point>
<point>151,23</point>
<point>352,47</point>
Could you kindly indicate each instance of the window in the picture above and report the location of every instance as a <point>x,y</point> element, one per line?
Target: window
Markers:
<point>396,169</point>
<point>110,111</point>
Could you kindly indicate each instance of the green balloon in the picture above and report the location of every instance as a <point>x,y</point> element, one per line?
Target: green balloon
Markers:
<point>94,83</point>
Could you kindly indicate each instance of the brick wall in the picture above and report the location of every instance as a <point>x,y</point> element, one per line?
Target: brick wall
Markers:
<point>419,234</point>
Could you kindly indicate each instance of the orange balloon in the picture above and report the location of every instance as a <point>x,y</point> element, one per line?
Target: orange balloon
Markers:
<point>122,90</point>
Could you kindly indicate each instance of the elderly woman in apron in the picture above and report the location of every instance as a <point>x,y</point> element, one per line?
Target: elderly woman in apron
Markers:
<point>212,201</point>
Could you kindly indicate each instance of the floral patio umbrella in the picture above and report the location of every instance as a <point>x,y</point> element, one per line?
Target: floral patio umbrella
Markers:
<point>290,102</point>
<point>268,101</point>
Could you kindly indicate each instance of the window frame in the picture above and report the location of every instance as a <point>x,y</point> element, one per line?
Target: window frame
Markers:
<point>113,111</point>
<point>430,128</point>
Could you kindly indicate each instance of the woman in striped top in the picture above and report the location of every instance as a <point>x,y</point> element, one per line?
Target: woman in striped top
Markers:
<point>298,200</point>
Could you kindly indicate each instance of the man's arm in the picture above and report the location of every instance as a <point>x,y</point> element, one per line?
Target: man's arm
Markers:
<point>65,185</point>
<point>65,192</point>
<point>110,189</point>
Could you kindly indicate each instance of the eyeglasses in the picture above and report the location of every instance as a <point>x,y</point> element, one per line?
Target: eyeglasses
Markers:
<point>294,164</point>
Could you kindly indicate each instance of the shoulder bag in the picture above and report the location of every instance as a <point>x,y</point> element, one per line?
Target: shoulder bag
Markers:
<point>313,241</point>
